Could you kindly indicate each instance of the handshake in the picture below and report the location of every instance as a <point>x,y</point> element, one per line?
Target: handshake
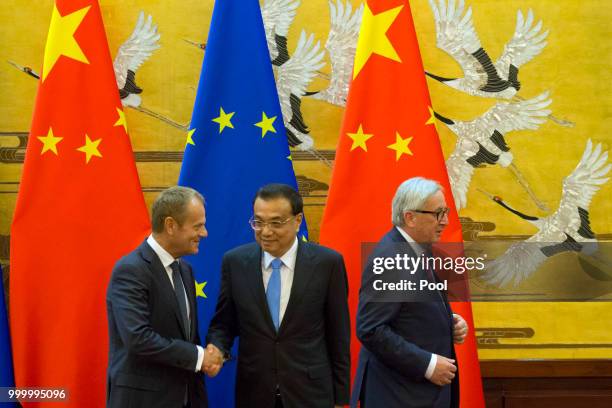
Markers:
<point>213,360</point>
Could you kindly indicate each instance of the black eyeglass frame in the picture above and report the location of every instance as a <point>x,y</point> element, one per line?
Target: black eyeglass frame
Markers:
<point>438,213</point>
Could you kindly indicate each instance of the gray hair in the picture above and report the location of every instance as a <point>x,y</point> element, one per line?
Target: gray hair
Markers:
<point>411,195</point>
<point>172,202</point>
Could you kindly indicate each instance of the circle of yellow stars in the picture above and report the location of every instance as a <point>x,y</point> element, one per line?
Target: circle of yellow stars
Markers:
<point>224,120</point>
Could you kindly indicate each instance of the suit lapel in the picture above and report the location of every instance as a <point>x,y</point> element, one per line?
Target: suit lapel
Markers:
<point>254,278</point>
<point>159,273</point>
<point>443,304</point>
<point>304,268</point>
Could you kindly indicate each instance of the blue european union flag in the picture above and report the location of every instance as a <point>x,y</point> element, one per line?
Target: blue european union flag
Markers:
<point>235,145</point>
<point>6,360</point>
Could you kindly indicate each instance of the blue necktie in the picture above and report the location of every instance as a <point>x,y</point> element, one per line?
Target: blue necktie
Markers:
<point>273,292</point>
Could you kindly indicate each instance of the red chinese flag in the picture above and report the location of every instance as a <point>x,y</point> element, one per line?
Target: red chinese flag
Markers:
<point>79,209</point>
<point>388,135</point>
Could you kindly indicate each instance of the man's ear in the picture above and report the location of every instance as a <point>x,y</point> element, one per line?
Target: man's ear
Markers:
<point>170,225</point>
<point>299,219</point>
<point>409,219</point>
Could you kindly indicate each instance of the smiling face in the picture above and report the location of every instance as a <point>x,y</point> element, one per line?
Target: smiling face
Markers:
<point>184,238</point>
<point>424,227</point>
<point>276,240</point>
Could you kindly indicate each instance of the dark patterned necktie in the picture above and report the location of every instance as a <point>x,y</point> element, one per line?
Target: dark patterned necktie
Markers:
<point>179,292</point>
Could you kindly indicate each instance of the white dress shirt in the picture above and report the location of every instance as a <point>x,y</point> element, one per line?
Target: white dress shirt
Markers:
<point>166,260</point>
<point>286,272</point>
<point>419,250</point>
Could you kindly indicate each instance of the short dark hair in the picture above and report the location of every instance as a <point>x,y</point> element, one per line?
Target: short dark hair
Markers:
<point>277,190</point>
<point>172,202</point>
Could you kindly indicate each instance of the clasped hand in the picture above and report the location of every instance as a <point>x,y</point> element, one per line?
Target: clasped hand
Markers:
<point>213,360</point>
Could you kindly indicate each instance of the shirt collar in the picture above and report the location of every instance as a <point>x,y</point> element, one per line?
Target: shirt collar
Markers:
<point>417,248</point>
<point>288,258</point>
<point>164,256</point>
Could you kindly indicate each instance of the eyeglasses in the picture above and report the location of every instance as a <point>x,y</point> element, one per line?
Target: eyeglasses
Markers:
<point>440,214</point>
<point>258,225</point>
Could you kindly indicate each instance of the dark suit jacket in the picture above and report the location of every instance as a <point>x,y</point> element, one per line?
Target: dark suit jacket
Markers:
<point>398,339</point>
<point>151,360</point>
<point>309,358</point>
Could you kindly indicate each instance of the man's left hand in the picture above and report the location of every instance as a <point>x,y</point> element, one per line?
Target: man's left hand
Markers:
<point>460,329</point>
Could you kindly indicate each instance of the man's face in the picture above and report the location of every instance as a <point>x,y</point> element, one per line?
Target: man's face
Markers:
<point>277,239</point>
<point>185,237</point>
<point>424,227</point>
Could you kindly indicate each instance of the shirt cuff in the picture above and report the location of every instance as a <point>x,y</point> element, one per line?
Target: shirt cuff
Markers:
<point>432,366</point>
<point>200,358</point>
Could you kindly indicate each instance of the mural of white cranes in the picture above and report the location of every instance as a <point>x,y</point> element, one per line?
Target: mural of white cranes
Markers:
<point>567,229</point>
<point>295,72</point>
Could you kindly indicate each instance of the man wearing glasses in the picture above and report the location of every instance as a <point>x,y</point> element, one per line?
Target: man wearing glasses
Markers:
<point>408,358</point>
<point>287,300</point>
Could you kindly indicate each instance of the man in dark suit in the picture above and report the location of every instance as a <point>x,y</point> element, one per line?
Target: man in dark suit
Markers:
<point>407,358</point>
<point>155,356</point>
<point>287,300</point>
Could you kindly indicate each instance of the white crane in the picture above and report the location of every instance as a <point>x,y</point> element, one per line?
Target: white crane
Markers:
<point>481,141</point>
<point>341,45</point>
<point>455,34</point>
<point>567,229</point>
<point>131,55</point>
<point>292,80</point>
<point>278,16</point>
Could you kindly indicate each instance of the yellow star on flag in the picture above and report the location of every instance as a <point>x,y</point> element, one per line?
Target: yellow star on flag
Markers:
<point>49,142</point>
<point>373,37</point>
<point>432,117</point>
<point>61,41</point>
<point>400,146</point>
<point>199,287</point>
<point>304,238</point>
<point>224,120</point>
<point>121,121</point>
<point>189,140</point>
<point>359,139</point>
<point>90,148</point>
<point>266,124</point>
<point>289,158</point>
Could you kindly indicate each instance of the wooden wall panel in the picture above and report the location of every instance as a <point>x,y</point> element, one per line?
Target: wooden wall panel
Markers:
<point>547,383</point>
